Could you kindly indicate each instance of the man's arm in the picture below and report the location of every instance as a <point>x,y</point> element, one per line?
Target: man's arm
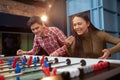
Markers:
<point>61,38</point>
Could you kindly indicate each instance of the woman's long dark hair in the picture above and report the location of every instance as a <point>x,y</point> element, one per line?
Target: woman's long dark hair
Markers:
<point>78,49</point>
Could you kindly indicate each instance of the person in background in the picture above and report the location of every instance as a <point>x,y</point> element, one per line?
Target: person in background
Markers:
<point>51,39</point>
<point>89,42</point>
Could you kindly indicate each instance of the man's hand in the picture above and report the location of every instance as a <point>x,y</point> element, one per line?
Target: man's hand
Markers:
<point>20,52</point>
<point>106,54</point>
<point>55,54</point>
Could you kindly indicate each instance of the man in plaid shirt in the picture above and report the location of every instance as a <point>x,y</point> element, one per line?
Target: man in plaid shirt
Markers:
<point>51,39</point>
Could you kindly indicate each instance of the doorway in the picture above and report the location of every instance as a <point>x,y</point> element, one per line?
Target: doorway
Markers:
<point>10,44</point>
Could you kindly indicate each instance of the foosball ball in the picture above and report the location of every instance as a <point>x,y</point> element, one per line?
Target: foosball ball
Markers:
<point>29,67</point>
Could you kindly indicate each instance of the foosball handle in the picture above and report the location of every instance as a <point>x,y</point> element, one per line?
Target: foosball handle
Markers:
<point>38,59</point>
<point>68,61</point>
<point>25,58</point>
<point>82,62</point>
<point>56,60</point>
<point>46,59</point>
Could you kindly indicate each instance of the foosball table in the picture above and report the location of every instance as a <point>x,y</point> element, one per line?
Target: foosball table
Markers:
<point>29,67</point>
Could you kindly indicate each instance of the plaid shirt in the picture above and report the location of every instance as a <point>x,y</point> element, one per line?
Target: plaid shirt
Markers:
<point>53,41</point>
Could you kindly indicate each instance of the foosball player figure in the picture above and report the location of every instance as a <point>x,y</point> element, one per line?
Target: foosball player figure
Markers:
<point>1,63</point>
<point>46,67</point>
<point>52,76</point>
<point>10,64</point>
<point>29,61</point>
<point>17,70</point>
<point>23,63</point>
<point>42,60</point>
<point>35,62</point>
<point>14,62</point>
<point>46,71</point>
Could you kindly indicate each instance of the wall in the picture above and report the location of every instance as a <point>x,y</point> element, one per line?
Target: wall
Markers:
<point>58,15</point>
<point>26,41</point>
<point>17,8</point>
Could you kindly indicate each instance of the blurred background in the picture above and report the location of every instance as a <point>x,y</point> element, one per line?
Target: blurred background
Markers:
<point>14,33</point>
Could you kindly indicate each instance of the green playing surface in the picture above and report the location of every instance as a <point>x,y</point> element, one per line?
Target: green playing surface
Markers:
<point>27,74</point>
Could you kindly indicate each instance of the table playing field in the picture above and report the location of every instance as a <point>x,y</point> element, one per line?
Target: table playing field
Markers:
<point>75,67</point>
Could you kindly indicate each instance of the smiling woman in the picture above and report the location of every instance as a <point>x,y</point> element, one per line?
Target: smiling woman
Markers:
<point>89,42</point>
<point>80,26</point>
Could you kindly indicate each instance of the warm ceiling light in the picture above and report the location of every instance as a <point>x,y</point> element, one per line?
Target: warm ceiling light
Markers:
<point>50,5</point>
<point>44,18</point>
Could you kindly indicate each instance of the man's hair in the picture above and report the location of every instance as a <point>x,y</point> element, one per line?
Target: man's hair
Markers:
<point>34,19</point>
